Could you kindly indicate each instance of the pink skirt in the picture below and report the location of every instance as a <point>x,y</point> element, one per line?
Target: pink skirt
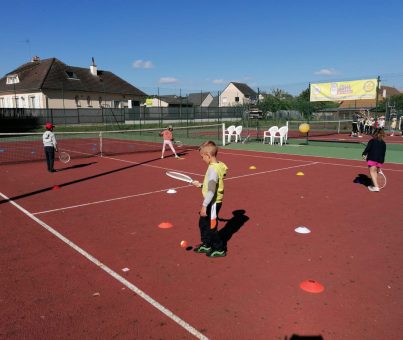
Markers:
<point>372,163</point>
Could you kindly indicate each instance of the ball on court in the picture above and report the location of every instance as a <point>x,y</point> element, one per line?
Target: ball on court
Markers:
<point>184,244</point>
<point>304,128</point>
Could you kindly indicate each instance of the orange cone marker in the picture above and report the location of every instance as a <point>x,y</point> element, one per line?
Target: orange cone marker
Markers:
<point>165,225</point>
<point>311,286</point>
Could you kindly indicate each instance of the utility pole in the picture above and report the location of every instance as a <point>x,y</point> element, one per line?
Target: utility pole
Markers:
<point>378,85</point>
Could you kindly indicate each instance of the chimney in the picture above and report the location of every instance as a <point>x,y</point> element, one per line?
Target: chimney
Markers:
<point>35,58</point>
<point>93,68</point>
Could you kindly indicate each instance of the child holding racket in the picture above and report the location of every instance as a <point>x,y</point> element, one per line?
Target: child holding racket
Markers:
<point>374,154</point>
<point>213,193</point>
<point>50,146</point>
<point>168,138</point>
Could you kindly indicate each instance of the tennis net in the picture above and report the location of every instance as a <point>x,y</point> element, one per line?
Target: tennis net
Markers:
<point>26,147</point>
<point>319,128</point>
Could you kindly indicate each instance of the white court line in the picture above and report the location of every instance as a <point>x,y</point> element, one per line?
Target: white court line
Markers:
<point>269,171</point>
<point>227,179</point>
<point>151,166</point>
<point>158,191</point>
<point>224,152</point>
<point>301,160</point>
<point>108,200</point>
<point>112,273</point>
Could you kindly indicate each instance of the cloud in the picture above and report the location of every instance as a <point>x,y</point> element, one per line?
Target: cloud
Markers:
<point>326,72</point>
<point>218,81</point>
<point>143,64</point>
<point>168,80</point>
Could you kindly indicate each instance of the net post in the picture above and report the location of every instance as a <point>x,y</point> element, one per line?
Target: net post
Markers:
<point>100,143</point>
<point>223,134</point>
<point>338,127</point>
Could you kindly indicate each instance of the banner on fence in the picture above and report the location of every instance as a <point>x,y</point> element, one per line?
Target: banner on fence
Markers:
<point>344,90</point>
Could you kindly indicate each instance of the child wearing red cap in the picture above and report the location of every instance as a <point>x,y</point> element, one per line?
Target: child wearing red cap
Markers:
<point>50,146</point>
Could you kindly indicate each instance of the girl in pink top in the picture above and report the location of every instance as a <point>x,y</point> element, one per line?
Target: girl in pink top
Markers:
<point>167,135</point>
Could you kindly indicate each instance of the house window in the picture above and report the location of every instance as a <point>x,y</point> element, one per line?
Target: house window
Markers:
<point>116,104</point>
<point>12,79</point>
<point>89,101</point>
<point>77,99</point>
<point>100,101</point>
<point>31,102</point>
<point>71,75</point>
<point>237,99</point>
<point>2,102</point>
<point>22,102</point>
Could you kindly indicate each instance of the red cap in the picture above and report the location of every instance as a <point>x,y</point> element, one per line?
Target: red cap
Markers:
<point>49,126</point>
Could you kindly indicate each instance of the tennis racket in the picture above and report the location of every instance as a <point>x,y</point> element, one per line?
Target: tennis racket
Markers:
<point>179,176</point>
<point>246,139</point>
<point>64,157</point>
<point>178,143</point>
<point>381,178</point>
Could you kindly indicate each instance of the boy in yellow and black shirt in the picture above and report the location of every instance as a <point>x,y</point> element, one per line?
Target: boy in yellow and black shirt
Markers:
<point>213,193</point>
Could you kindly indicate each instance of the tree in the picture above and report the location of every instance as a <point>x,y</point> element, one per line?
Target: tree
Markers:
<point>277,100</point>
<point>397,102</point>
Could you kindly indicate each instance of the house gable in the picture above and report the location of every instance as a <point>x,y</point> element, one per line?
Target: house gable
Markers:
<point>237,94</point>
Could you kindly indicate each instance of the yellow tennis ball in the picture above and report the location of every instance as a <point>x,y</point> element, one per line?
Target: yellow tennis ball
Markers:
<point>304,128</point>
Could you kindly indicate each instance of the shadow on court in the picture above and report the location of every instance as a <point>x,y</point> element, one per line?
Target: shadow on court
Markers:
<point>77,166</point>
<point>14,198</point>
<point>232,225</point>
<point>304,337</point>
<point>363,180</point>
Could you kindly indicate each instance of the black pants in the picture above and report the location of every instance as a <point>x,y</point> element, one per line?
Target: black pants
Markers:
<point>50,157</point>
<point>208,226</point>
<point>355,127</point>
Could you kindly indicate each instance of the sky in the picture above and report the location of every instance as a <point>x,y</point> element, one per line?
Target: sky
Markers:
<point>184,46</point>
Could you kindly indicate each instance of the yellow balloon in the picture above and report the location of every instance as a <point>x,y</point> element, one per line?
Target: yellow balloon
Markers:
<point>304,128</point>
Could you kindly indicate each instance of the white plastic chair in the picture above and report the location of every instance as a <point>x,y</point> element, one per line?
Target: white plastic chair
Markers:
<point>238,131</point>
<point>229,132</point>
<point>282,135</point>
<point>270,133</point>
<point>286,133</point>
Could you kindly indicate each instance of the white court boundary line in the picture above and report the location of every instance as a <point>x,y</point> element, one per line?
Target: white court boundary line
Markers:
<point>158,191</point>
<point>301,160</point>
<point>112,273</point>
<point>227,179</point>
<point>108,200</point>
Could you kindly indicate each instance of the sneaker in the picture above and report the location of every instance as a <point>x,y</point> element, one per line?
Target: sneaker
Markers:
<point>162,157</point>
<point>216,253</point>
<point>373,189</point>
<point>176,156</point>
<point>202,248</point>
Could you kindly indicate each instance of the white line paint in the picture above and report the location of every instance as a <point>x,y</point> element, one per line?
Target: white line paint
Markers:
<point>269,171</point>
<point>225,152</point>
<point>151,166</point>
<point>301,160</point>
<point>112,273</point>
<point>108,200</point>
<point>227,179</point>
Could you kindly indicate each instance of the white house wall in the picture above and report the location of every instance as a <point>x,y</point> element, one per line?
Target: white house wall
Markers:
<point>34,100</point>
<point>159,103</point>
<point>207,101</point>
<point>227,97</point>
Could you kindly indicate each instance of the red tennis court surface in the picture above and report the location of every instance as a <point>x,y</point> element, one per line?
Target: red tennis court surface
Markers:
<point>88,261</point>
